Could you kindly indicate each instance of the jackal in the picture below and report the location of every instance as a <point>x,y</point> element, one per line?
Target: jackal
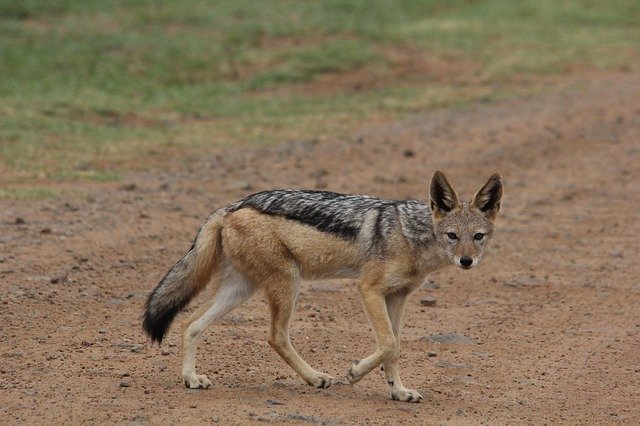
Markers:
<point>273,240</point>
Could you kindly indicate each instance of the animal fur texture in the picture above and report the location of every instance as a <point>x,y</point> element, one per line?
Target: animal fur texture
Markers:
<point>273,240</point>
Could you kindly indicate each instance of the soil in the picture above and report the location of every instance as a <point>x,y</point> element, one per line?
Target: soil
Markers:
<point>545,330</point>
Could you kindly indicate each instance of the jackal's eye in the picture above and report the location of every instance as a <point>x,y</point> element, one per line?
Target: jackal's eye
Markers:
<point>452,235</point>
<point>478,236</point>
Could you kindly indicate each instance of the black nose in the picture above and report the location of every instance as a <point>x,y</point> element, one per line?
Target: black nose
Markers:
<point>466,261</point>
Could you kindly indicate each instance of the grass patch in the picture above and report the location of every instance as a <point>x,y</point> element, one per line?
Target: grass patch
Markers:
<point>27,194</point>
<point>92,89</point>
<point>303,65</point>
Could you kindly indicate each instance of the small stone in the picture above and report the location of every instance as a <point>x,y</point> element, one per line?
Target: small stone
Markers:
<point>428,301</point>
<point>431,285</point>
<point>431,354</point>
<point>448,338</point>
<point>20,221</point>
<point>526,282</point>
<point>46,230</point>
<point>408,153</point>
<point>125,384</point>
<point>129,187</point>
<point>59,279</point>
<point>71,207</point>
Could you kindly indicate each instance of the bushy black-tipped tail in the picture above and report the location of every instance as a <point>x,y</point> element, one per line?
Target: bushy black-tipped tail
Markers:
<point>183,281</point>
<point>160,310</point>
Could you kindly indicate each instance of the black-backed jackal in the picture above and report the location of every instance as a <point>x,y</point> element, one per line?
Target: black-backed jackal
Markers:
<point>273,240</point>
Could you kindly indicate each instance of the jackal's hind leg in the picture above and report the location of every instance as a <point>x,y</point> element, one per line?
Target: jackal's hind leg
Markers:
<point>233,291</point>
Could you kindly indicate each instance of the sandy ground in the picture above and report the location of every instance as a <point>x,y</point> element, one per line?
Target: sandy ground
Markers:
<point>552,313</point>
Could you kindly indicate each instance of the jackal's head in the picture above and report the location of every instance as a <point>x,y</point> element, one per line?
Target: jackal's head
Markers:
<point>464,229</point>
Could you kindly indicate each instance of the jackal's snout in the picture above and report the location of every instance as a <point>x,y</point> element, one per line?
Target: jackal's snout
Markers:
<point>466,262</point>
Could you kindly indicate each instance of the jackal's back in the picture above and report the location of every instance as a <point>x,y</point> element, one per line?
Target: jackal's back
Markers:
<point>344,215</point>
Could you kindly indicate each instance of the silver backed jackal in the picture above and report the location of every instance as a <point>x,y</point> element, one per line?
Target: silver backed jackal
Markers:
<point>273,240</point>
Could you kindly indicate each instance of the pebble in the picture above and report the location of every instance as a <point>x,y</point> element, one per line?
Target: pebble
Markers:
<point>428,301</point>
<point>525,282</point>
<point>129,187</point>
<point>448,338</point>
<point>59,279</point>
<point>20,221</point>
<point>431,285</point>
<point>431,354</point>
<point>125,384</point>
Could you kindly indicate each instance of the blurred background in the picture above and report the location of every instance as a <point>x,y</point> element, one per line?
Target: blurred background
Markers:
<point>90,90</point>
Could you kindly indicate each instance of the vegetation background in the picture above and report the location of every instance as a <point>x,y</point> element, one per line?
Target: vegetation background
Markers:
<point>91,89</point>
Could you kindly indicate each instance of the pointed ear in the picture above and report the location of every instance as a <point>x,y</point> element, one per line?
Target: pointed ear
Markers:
<point>443,197</point>
<point>487,199</point>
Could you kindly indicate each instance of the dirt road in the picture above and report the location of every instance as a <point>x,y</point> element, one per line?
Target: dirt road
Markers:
<point>552,313</point>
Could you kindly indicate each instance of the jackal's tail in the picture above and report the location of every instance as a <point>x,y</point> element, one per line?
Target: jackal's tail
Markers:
<point>184,280</point>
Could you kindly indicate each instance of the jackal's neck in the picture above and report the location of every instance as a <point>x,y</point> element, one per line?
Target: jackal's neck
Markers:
<point>416,223</point>
<point>431,258</point>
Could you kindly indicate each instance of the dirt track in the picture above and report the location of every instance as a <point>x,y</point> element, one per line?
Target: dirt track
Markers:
<point>553,310</point>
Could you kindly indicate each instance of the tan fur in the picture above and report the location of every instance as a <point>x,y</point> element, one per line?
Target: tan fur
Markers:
<point>253,250</point>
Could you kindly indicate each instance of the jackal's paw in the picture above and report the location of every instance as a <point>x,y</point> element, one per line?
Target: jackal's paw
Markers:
<point>321,381</point>
<point>354,374</point>
<point>197,381</point>
<point>406,395</point>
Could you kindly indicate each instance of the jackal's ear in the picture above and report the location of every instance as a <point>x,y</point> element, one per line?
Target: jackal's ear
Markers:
<point>487,199</point>
<point>443,197</point>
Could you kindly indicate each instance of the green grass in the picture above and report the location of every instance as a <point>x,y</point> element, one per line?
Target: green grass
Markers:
<point>27,194</point>
<point>91,89</point>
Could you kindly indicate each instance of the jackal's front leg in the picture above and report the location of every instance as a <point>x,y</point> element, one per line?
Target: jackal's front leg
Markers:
<point>281,305</point>
<point>375,305</point>
<point>395,308</point>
